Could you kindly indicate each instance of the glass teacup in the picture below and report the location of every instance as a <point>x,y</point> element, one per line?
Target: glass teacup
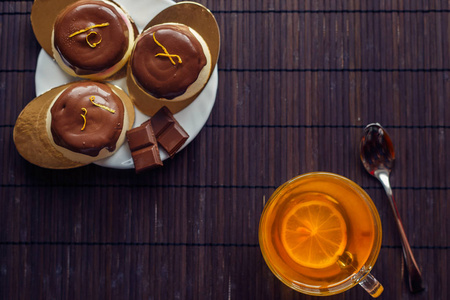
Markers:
<point>320,234</point>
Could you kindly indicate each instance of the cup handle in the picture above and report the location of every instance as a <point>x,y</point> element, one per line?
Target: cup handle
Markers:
<point>371,285</point>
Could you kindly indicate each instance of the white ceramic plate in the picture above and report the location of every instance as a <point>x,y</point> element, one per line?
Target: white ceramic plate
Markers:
<point>192,118</point>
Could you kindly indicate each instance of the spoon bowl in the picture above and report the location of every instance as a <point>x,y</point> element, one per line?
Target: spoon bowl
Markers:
<point>377,151</point>
<point>377,155</point>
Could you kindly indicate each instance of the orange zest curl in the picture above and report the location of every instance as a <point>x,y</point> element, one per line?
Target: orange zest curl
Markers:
<point>93,45</point>
<point>89,28</point>
<point>166,53</point>
<point>92,98</point>
<point>84,118</point>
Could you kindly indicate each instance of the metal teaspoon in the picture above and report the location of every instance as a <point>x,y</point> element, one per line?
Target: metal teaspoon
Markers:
<point>377,155</point>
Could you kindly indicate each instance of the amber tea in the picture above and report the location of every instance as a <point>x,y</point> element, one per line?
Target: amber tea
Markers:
<point>320,234</point>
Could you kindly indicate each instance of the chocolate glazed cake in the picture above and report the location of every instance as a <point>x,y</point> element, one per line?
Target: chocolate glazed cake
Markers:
<point>170,61</point>
<point>92,39</point>
<point>87,122</point>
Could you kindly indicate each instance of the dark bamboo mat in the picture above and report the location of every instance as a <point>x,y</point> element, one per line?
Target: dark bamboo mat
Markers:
<point>298,81</point>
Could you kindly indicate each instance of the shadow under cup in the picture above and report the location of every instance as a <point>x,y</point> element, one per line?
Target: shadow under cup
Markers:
<point>359,236</point>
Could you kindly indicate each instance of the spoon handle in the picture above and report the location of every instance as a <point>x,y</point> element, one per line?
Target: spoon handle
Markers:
<point>415,277</point>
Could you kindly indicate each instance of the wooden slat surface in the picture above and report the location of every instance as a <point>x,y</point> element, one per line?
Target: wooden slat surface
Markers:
<point>298,81</point>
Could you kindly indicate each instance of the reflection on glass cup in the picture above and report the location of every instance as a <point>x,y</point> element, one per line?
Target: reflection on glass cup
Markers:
<point>320,234</point>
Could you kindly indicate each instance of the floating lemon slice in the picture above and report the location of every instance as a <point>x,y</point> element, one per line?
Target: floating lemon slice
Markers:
<point>314,234</point>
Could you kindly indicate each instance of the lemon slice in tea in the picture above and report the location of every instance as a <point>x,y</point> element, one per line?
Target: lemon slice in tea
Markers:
<point>314,234</point>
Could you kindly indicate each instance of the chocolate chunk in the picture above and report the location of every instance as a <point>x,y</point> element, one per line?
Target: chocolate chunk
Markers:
<point>146,158</point>
<point>141,137</point>
<point>172,139</point>
<point>169,133</point>
<point>162,120</point>
<point>144,148</point>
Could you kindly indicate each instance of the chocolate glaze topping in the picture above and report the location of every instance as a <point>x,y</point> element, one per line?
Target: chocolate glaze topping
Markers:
<point>157,74</point>
<point>102,128</point>
<point>75,51</point>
